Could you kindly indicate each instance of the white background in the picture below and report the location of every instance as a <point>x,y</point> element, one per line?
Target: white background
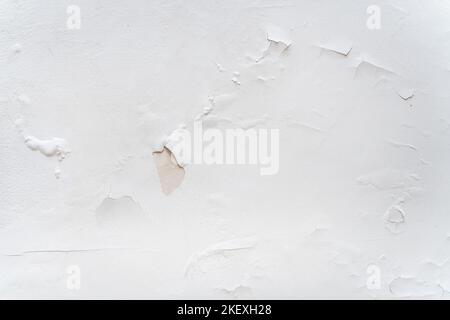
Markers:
<point>354,155</point>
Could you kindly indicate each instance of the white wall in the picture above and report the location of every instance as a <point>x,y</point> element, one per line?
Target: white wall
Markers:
<point>363,184</point>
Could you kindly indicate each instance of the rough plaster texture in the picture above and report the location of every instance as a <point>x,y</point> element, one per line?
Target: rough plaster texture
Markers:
<point>364,121</point>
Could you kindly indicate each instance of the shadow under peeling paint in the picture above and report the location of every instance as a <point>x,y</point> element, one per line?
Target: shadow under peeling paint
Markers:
<point>170,173</point>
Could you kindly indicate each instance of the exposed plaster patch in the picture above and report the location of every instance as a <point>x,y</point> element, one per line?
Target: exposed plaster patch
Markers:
<point>170,173</point>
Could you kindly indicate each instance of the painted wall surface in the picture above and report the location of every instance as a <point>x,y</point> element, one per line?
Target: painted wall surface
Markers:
<point>93,205</point>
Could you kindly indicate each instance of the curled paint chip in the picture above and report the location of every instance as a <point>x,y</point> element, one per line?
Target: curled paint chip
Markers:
<point>49,148</point>
<point>119,212</point>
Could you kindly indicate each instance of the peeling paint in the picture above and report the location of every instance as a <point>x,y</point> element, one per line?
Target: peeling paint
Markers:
<point>170,173</point>
<point>219,249</point>
<point>342,47</point>
<point>356,91</point>
<point>51,147</point>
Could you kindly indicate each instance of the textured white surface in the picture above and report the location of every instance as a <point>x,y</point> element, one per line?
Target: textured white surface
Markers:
<point>364,118</point>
